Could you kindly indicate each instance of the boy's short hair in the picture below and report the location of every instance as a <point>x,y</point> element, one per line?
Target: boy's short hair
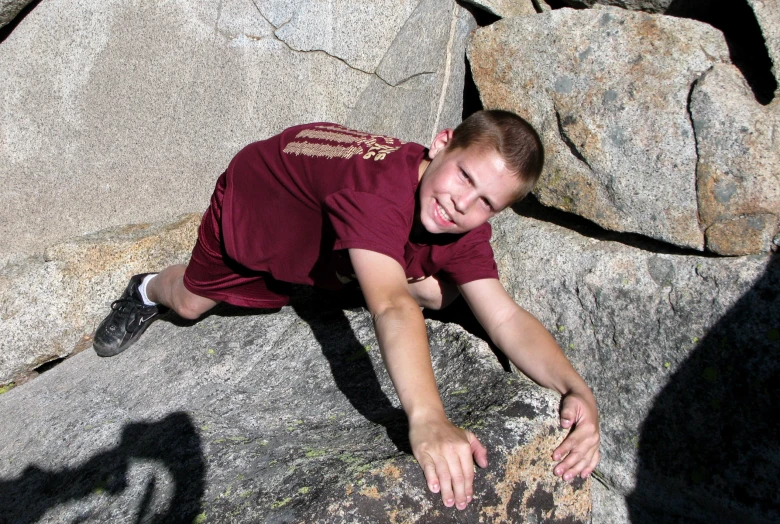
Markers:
<point>512,137</point>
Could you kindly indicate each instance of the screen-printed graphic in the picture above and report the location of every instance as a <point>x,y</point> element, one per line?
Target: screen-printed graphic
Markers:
<point>332,141</point>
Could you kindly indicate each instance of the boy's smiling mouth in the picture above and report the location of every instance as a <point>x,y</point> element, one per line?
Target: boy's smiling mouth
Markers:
<point>442,214</point>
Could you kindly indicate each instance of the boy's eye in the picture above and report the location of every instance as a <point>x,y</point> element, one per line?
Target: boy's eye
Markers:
<point>465,176</point>
<point>487,204</point>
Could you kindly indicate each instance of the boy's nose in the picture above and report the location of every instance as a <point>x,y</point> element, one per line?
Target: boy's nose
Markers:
<point>463,201</point>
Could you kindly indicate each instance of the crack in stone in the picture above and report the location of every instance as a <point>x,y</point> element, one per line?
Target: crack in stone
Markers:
<point>531,207</point>
<point>689,113</point>
<point>257,7</point>
<point>407,80</point>
<point>568,141</point>
<point>671,305</point>
<point>588,318</point>
<point>447,71</point>
<point>216,22</point>
<point>276,37</point>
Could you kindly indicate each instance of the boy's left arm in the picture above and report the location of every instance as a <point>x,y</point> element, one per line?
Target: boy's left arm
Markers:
<point>534,351</point>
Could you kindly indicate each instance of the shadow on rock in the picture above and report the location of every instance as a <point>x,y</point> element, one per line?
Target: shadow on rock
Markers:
<point>352,369</point>
<point>710,448</point>
<point>172,442</point>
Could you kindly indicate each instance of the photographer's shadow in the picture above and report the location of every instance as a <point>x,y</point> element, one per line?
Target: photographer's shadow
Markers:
<point>172,443</point>
<point>709,450</point>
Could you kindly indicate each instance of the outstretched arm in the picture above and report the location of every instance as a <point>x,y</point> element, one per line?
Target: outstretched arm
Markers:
<point>443,450</point>
<point>534,351</point>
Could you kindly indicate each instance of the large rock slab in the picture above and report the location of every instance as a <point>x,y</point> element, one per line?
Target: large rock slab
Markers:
<point>608,90</point>
<point>680,352</point>
<point>738,176</point>
<point>280,417</point>
<point>52,304</point>
<point>129,113</point>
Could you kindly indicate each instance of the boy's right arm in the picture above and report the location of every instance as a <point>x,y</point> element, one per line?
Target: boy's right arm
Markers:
<point>443,450</point>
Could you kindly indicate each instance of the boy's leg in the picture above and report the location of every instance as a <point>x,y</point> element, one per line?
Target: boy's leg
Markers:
<point>433,293</point>
<point>167,288</point>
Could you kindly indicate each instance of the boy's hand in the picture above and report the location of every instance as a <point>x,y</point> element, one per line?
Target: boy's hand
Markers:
<point>444,452</point>
<point>581,446</point>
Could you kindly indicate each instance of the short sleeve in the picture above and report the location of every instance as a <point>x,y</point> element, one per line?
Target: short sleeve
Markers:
<point>472,258</point>
<point>368,221</point>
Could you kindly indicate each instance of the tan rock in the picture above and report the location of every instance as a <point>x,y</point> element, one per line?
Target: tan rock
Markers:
<point>52,305</point>
<point>608,91</point>
<point>738,174</point>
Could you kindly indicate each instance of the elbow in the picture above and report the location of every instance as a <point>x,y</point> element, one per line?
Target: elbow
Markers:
<point>398,306</point>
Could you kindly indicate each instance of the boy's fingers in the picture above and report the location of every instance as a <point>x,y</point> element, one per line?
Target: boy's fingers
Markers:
<point>467,466</point>
<point>477,450</point>
<point>445,480</point>
<point>594,461</point>
<point>566,465</point>
<point>429,470</point>
<point>458,478</point>
<point>565,447</point>
<point>576,469</point>
<point>568,412</point>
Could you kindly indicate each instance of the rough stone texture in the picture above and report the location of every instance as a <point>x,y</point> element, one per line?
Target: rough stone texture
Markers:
<point>680,352</point>
<point>608,90</point>
<point>360,34</point>
<point>10,8</point>
<point>281,417</point>
<point>129,113</point>
<point>507,8</point>
<point>609,507</point>
<point>738,177</point>
<point>426,57</point>
<point>51,305</point>
<point>768,17</point>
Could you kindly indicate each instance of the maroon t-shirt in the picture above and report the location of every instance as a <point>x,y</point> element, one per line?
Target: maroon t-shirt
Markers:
<point>295,202</point>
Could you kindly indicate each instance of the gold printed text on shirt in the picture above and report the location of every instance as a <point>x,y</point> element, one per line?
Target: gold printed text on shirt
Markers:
<point>375,147</point>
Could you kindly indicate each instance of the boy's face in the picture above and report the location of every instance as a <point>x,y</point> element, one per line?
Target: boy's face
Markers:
<point>461,189</point>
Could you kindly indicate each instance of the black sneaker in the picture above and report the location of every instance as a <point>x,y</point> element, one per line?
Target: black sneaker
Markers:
<point>129,318</point>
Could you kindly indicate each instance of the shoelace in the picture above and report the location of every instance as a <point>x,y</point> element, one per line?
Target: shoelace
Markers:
<point>134,308</point>
<point>120,304</point>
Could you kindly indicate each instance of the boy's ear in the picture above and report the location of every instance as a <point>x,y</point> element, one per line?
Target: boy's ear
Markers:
<point>440,142</point>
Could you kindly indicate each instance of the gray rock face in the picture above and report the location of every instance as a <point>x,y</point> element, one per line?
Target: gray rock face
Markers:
<point>680,353</point>
<point>10,8</point>
<point>51,305</point>
<point>358,34</point>
<point>129,113</point>
<point>608,90</point>
<point>425,58</point>
<point>738,175</point>
<point>280,417</point>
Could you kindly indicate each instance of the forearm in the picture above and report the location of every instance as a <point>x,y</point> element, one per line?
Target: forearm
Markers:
<point>403,341</point>
<point>535,352</point>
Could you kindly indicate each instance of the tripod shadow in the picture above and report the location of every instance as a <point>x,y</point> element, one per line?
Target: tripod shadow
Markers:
<point>172,442</point>
<point>709,449</point>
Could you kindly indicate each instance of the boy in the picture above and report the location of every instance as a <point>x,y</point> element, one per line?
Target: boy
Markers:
<point>320,204</point>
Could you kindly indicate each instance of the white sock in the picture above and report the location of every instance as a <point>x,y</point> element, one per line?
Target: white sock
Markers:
<point>142,290</point>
